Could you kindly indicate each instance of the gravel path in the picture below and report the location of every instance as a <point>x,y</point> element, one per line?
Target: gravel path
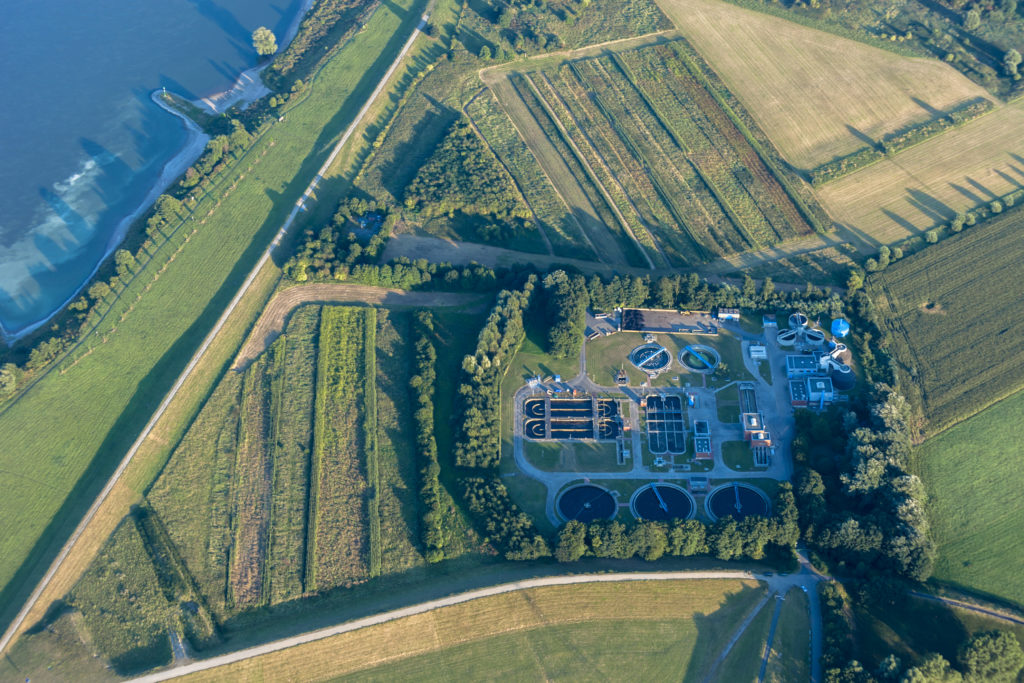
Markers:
<point>275,316</point>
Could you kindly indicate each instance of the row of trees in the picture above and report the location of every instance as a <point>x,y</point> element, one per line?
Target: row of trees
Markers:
<point>859,504</point>
<point>691,292</point>
<point>216,155</point>
<point>421,387</point>
<point>477,440</point>
<point>726,539</point>
<point>565,307</point>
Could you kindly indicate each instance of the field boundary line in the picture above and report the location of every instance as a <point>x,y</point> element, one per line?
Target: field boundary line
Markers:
<point>15,625</point>
<point>430,605</point>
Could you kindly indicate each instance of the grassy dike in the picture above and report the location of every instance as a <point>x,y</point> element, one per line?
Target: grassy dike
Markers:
<point>63,438</point>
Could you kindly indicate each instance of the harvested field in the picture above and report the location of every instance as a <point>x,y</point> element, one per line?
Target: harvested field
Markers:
<point>338,547</point>
<point>677,172</point>
<point>968,357</point>
<point>668,629</point>
<point>277,312</point>
<point>817,95</point>
<point>928,184</point>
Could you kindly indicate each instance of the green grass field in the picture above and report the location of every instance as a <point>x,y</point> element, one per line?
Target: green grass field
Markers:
<point>790,658</point>
<point>743,662</point>
<point>737,455</point>
<point>55,467</point>
<point>668,630</point>
<point>560,456</point>
<point>954,320</point>
<point>974,480</point>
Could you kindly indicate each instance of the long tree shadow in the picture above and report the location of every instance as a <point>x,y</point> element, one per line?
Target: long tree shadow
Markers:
<point>150,391</point>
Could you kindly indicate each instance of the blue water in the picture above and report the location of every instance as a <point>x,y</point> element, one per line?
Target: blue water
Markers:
<point>81,143</point>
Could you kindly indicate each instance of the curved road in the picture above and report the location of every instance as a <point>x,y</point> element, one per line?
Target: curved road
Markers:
<point>274,317</point>
<point>300,205</point>
<point>776,584</point>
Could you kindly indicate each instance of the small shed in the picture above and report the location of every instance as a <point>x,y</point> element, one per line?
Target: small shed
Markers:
<point>728,314</point>
<point>758,352</point>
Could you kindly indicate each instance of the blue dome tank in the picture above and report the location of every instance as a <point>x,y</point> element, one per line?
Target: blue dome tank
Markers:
<point>840,328</point>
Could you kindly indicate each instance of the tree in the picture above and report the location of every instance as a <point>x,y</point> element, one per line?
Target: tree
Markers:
<point>1010,61</point>
<point>8,379</point>
<point>972,20</point>
<point>992,656</point>
<point>264,40</point>
<point>933,669</point>
<point>931,237</point>
<point>99,290</point>
<point>485,53</point>
<point>572,542</point>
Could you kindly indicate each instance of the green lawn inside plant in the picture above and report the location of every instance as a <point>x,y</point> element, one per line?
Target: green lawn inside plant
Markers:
<point>974,480</point>
<point>62,439</point>
<point>737,455</point>
<point>574,456</point>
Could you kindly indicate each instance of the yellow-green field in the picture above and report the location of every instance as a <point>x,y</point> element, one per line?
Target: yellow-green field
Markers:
<point>790,658</point>
<point>815,94</point>
<point>926,185</point>
<point>667,629</point>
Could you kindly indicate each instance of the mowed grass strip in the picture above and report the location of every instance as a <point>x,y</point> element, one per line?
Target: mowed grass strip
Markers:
<point>743,663</point>
<point>292,446</point>
<point>193,495</point>
<point>816,94</point>
<point>790,658</point>
<point>955,317</point>
<point>338,548</point>
<point>606,631</point>
<point>396,488</point>
<point>253,483</point>
<point>926,185</point>
<point>62,439</point>
<point>974,480</point>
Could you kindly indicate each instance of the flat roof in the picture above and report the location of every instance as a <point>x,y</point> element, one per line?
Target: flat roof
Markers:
<point>752,421</point>
<point>819,384</point>
<point>702,444</point>
<point>798,390</point>
<point>801,362</point>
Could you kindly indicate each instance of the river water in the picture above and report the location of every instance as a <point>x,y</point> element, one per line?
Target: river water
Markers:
<point>81,142</point>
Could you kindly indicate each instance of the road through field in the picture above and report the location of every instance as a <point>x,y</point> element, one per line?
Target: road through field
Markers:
<point>274,317</point>
<point>300,205</point>
<point>776,584</point>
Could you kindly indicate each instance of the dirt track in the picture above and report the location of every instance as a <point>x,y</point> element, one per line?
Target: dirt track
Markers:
<point>275,316</point>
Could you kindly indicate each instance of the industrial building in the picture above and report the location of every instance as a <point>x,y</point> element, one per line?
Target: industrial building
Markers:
<point>815,392</point>
<point>758,352</point>
<point>728,314</point>
<point>801,365</point>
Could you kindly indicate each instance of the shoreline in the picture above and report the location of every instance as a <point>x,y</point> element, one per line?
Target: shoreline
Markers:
<point>246,89</point>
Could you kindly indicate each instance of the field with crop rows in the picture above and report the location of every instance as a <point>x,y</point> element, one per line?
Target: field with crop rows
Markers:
<point>817,95</point>
<point>561,227</point>
<point>110,388</point>
<point>298,475</point>
<point>678,175</point>
<point>339,539</point>
<point>956,318</point>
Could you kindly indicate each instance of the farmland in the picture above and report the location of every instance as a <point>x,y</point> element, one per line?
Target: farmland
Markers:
<point>55,468</point>
<point>953,320</point>
<point>668,629</point>
<point>817,95</point>
<point>663,163</point>
<point>928,184</point>
<point>974,480</point>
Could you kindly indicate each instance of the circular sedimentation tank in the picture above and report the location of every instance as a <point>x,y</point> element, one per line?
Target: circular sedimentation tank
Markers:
<point>798,320</point>
<point>700,358</point>
<point>586,503</point>
<point>787,337</point>
<point>814,337</point>
<point>660,502</point>
<point>738,500</point>
<point>650,357</point>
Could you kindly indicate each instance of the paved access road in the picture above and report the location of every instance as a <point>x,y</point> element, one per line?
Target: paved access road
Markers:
<point>300,205</point>
<point>776,584</point>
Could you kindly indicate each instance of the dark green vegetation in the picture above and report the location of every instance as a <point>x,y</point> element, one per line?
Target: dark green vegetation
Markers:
<point>859,504</point>
<point>981,39</point>
<point>565,302</point>
<point>685,175</point>
<point>948,307</point>
<point>464,177</point>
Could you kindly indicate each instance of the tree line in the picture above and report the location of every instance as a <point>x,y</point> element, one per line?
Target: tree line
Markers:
<point>727,539</point>
<point>421,388</point>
